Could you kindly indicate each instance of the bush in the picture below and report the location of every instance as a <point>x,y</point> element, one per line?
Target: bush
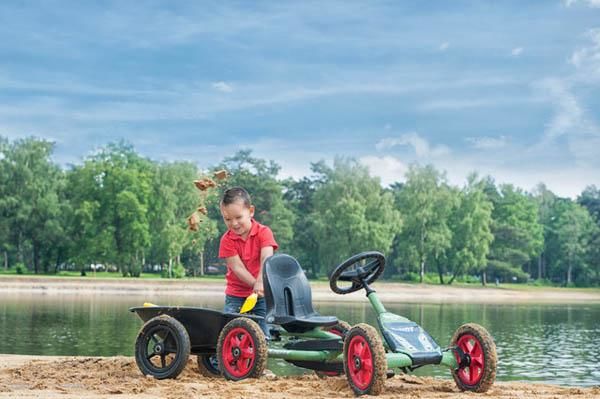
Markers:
<point>135,270</point>
<point>20,268</point>
<point>178,271</point>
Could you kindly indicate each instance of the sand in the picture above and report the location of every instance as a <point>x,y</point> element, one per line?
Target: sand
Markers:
<point>388,292</point>
<point>119,377</point>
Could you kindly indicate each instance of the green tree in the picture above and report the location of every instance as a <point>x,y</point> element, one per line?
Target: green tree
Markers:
<point>5,244</point>
<point>590,199</point>
<point>110,195</point>
<point>470,223</point>
<point>352,213</point>
<point>30,203</point>
<point>575,228</point>
<point>518,235</point>
<point>426,202</point>
<point>174,197</point>
<point>299,197</point>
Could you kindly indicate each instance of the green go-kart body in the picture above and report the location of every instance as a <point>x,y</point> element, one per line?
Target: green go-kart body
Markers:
<point>232,345</point>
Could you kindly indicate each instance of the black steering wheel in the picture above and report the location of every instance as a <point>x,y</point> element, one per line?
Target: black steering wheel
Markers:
<point>364,267</point>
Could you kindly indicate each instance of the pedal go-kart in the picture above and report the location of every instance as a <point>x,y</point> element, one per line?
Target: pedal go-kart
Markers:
<point>233,345</point>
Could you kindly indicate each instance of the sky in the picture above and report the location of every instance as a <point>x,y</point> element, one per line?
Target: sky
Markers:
<point>508,88</point>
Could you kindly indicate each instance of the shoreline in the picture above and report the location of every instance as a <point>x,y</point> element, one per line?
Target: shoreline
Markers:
<point>68,377</point>
<point>388,292</point>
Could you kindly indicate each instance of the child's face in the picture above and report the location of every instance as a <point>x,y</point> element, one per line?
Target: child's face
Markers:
<point>238,217</point>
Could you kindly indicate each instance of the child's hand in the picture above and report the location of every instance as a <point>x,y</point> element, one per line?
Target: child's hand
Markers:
<point>258,288</point>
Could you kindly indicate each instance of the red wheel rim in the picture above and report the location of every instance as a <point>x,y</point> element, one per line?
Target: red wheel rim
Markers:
<point>238,352</point>
<point>470,345</point>
<point>360,362</point>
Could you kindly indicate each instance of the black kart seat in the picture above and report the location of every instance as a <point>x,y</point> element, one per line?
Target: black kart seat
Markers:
<point>288,296</point>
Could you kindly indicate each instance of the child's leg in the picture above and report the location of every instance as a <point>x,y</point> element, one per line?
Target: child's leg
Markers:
<point>233,304</point>
<point>261,310</point>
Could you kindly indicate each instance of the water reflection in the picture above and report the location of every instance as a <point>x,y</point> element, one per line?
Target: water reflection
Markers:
<point>557,344</point>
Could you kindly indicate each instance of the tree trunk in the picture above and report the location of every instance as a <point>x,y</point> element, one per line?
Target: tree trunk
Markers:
<point>202,263</point>
<point>422,272</point>
<point>170,267</point>
<point>540,266</point>
<point>57,262</point>
<point>569,270</point>
<point>35,259</point>
<point>440,271</point>
<point>5,261</point>
<point>483,278</point>
<point>20,258</point>
<point>453,277</point>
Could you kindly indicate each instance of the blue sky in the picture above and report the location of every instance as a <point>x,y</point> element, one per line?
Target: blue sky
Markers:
<point>505,88</point>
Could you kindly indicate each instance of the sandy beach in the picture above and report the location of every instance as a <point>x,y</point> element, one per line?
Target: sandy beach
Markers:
<point>388,292</point>
<point>118,377</point>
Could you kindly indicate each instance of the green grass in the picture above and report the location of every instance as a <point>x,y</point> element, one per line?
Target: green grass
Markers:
<point>107,275</point>
<point>430,280</point>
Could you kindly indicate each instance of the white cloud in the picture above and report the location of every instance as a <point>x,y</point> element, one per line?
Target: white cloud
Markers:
<point>571,124</point>
<point>589,3</point>
<point>419,144</point>
<point>444,46</point>
<point>517,51</point>
<point>222,87</point>
<point>388,168</point>
<point>586,60</point>
<point>566,180</point>
<point>487,143</point>
<point>568,115</point>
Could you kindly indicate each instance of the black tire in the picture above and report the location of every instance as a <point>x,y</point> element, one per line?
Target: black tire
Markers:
<point>208,365</point>
<point>479,375</point>
<point>162,347</point>
<point>361,347</point>
<point>242,350</point>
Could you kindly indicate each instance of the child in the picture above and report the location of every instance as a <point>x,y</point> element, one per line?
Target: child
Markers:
<point>245,246</point>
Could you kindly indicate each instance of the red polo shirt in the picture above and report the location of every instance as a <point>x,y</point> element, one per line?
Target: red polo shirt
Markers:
<point>260,236</point>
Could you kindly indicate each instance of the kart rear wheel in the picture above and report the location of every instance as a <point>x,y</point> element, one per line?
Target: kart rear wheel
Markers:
<point>208,365</point>
<point>242,350</point>
<point>340,329</point>
<point>478,371</point>
<point>364,360</point>
<point>162,347</point>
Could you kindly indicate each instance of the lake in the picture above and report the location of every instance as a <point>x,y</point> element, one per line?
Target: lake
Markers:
<point>557,344</point>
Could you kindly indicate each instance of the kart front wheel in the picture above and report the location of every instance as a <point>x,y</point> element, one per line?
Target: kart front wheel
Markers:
<point>208,365</point>
<point>162,347</point>
<point>364,360</point>
<point>242,350</point>
<point>475,352</point>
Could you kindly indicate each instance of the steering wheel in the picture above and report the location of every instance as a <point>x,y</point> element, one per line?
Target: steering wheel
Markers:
<point>364,267</point>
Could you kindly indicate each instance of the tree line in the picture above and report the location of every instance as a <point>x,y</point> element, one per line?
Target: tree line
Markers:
<point>121,209</point>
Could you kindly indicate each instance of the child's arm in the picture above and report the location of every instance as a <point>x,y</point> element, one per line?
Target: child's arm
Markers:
<point>265,252</point>
<point>235,264</point>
